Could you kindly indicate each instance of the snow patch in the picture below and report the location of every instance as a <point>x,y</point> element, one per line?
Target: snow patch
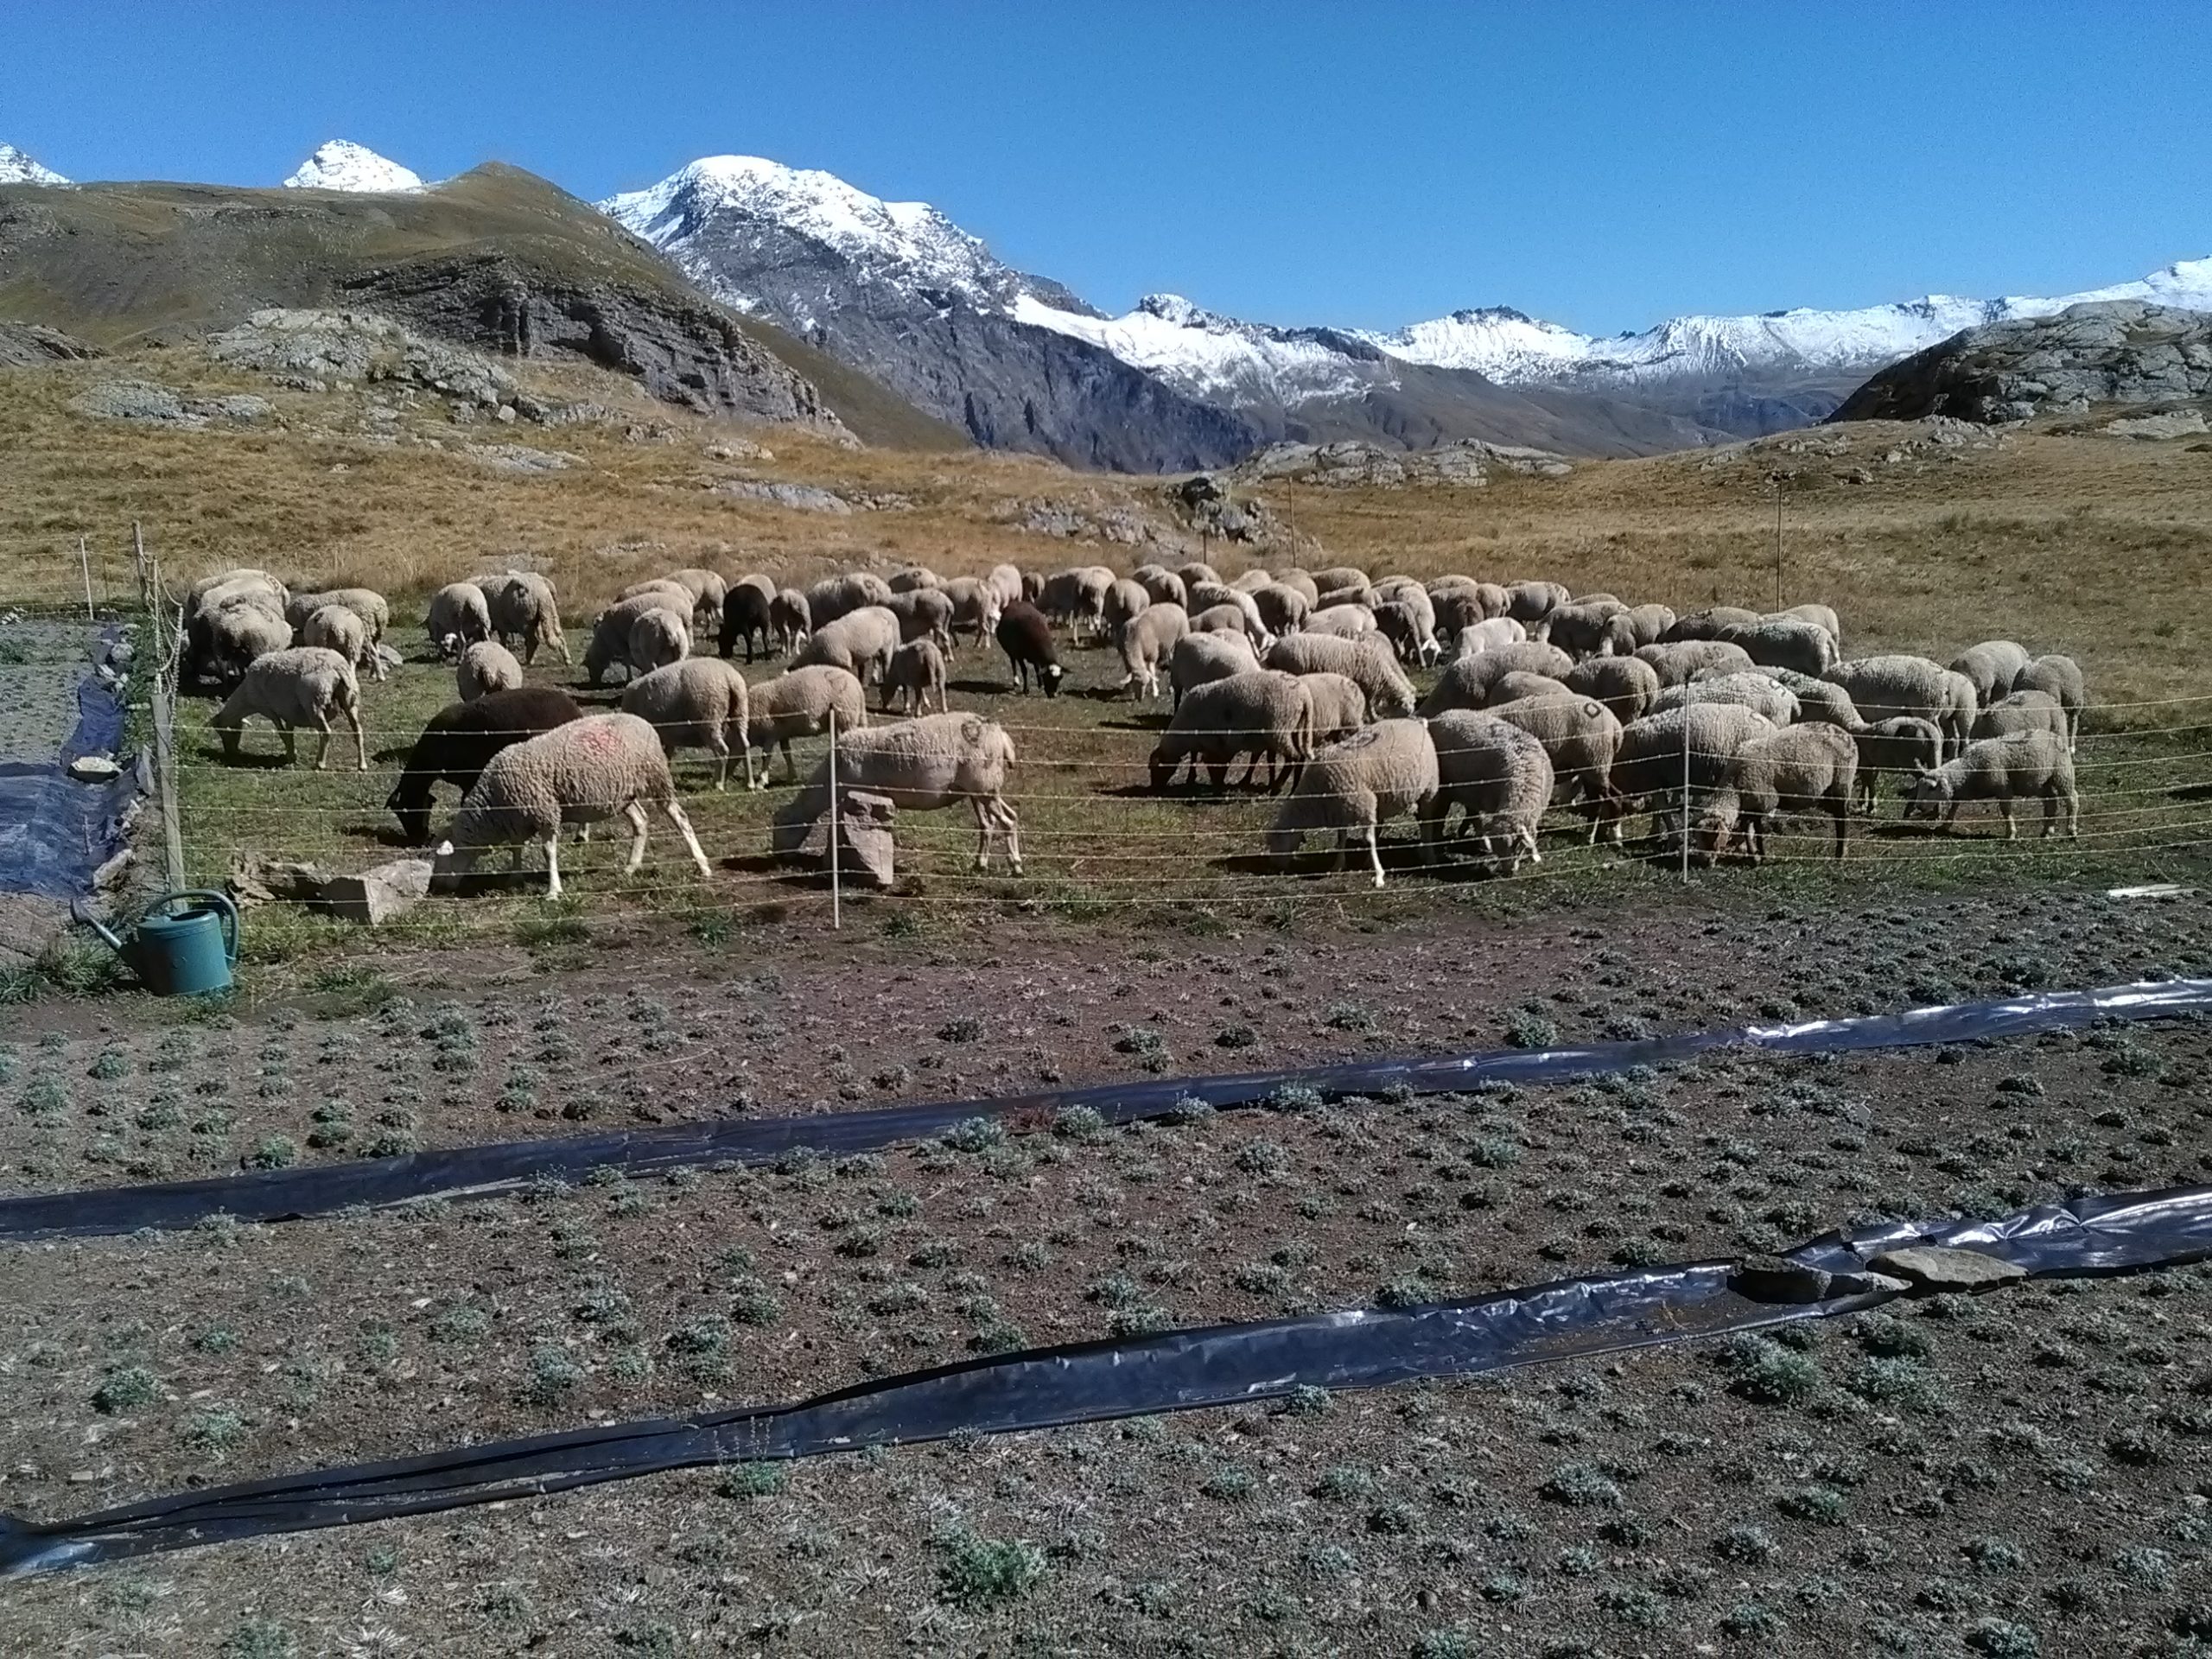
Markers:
<point>1215,359</point>
<point>340,164</point>
<point>17,168</point>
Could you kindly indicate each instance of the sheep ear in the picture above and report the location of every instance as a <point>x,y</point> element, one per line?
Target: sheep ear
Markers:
<point>445,849</point>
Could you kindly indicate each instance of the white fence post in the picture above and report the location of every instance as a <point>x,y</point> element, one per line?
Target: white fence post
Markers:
<point>837,894</point>
<point>85,559</point>
<point>1686,796</point>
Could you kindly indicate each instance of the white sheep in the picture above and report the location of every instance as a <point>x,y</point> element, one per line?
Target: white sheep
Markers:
<point>700,702</point>
<point>1282,609</point>
<point>976,606</point>
<point>301,685</point>
<point>1810,768</point>
<point>1340,621</point>
<point>788,620</point>
<point>209,592</point>
<point>1233,619</point>
<point>906,579</point>
<point>1339,705</point>
<point>1381,772</point>
<point>861,641</point>
<point>1163,584</point>
<point>2023,711</point>
<point>1693,746</point>
<point>1627,685</point>
<point>458,617</point>
<point>1261,714</point>
<point>835,596</point>
<point>2062,677</point>
<point>917,673</point>
<point>1125,599</point>
<point>1198,659</point>
<point>580,773</point>
<point>924,613</point>
<point>228,637</point>
<point>1882,688</point>
<point>1466,684</point>
<point>938,761</point>
<point>1499,775</point>
<point>373,610</point>
<point>1749,688</point>
<point>336,628</point>
<point>1903,744</point>
<point>1148,637</point>
<point>1367,662</point>
<point>1991,667</point>
<point>1785,642</point>
<point>610,642</point>
<point>487,666</point>
<point>1489,634</point>
<point>1411,633</point>
<point>1582,738</point>
<point>524,611</point>
<point>1341,576</point>
<point>1678,660</point>
<point>2004,770</point>
<point>658,637</point>
<point>801,701</point>
<point>1077,596</point>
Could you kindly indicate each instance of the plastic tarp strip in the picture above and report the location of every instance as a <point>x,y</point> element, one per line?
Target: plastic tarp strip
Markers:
<point>55,831</point>
<point>1177,1370</point>
<point>283,1195</point>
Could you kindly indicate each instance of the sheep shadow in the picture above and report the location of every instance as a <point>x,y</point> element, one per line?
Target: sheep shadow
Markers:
<point>1137,723</point>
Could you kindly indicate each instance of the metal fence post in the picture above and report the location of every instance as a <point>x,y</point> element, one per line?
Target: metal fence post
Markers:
<point>837,894</point>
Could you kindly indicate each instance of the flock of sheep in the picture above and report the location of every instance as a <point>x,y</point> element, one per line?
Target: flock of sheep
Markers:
<point>1718,723</point>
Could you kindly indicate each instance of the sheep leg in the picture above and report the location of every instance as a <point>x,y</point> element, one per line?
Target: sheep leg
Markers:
<point>1374,853</point>
<point>322,748</point>
<point>636,814</point>
<point>720,746</point>
<point>2011,825</point>
<point>675,815</point>
<point>552,864</point>
<point>361,743</point>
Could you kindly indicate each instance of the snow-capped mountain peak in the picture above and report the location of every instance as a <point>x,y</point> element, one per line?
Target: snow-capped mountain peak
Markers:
<point>908,244</point>
<point>340,164</point>
<point>17,168</point>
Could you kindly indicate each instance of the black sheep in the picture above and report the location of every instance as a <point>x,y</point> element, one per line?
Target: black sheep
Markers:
<point>461,741</point>
<point>1027,639</point>
<point>745,613</point>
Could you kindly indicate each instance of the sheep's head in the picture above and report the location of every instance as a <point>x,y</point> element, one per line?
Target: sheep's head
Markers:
<point>449,864</point>
<point>1926,796</point>
<point>1051,675</point>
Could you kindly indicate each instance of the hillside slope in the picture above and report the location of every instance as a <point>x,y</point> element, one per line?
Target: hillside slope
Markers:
<point>496,259</point>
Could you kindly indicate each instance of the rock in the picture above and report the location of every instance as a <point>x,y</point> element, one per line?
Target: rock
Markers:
<point>521,458</point>
<point>865,848</point>
<point>24,344</point>
<point>266,881</point>
<point>1930,1268</point>
<point>1778,1278</point>
<point>94,768</point>
<point>740,450</point>
<point>374,897</point>
<point>803,497</point>
<point>2174,423</point>
<point>135,400</point>
<point>240,408</point>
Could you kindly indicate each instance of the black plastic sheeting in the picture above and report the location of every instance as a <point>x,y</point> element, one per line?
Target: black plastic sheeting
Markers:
<point>55,832</point>
<point>1178,1371</point>
<point>284,1195</point>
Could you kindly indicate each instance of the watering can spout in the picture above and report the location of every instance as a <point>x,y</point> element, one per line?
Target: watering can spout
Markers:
<point>79,911</point>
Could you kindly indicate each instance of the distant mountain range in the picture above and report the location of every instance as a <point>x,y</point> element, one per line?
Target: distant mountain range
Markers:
<point>901,292</point>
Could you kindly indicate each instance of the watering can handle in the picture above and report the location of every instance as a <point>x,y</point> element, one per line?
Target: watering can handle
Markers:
<point>222,903</point>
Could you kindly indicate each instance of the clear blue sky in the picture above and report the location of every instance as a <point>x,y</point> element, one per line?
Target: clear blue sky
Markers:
<point>1600,165</point>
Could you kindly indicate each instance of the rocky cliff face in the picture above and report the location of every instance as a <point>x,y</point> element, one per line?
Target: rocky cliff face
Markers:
<point>2114,351</point>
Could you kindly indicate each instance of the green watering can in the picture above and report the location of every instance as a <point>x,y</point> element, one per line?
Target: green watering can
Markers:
<point>186,943</point>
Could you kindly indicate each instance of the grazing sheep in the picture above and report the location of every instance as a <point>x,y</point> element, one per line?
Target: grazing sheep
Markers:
<point>1367,598</point>
<point>1696,745</point>
<point>859,641</point>
<point>1077,596</point>
<point>210,591</point>
<point>524,611</point>
<point>673,593</point>
<point>1339,705</point>
<point>1125,599</point>
<point>1586,628</point>
<point>1497,774</point>
<point>657,639</point>
<point>1232,619</point>
<point>2062,677</point>
<point>459,616</point>
<point>1882,688</point>
<point>836,596</point>
<point>1379,772</point>
<point>1753,690</point>
<point>577,774</point>
<point>1260,714</point>
<point>2005,770</point>
<point>1817,699</point>
<point>938,761</point>
<point>1581,736</point>
<point>916,671</point>
<point>1677,660</point>
<point>1027,637</point>
<point>709,591</point>
<point>912,577</point>
<point>335,628</point>
<point>301,685</point>
<point>1205,595</point>
<point>486,666</point>
<point>1903,744</point>
<point>1711,623</point>
<point>610,642</point>
<point>1252,579</point>
<point>1458,608</point>
<point>2024,711</point>
<point>1465,684</point>
<point>924,613</point>
<point>1033,586</point>
<point>1991,667</point>
<point>1821,616</point>
<point>1200,660</point>
<point>1411,632</point>
<point>1282,609</point>
<point>1627,685</point>
<point>1007,583</point>
<point>1341,576</point>
<point>1508,688</point>
<point>1531,603</point>
<point>1145,638</point>
<point>460,740</point>
<point>788,620</point>
<point>1489,634</point>
<point>698,703</point>
<point>1193,571</point>
<point>1960,707</point>
<point>373,610</point>
<point>1647,624</point>
<point>1811,768</point>
<point>1340,621</point>
<point>801,701</point>
<point>749,615</point>
<point>975,605</point>
<point>1368,662</point>
<point>224,640</point>
<point>1785,642</point>
<point>1301,584</point>
<point>1163,584</point>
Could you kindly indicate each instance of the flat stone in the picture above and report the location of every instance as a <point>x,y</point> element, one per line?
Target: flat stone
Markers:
<point>1778,1278</point>
<point>1929,1266</point>
<point>375,897</point>
<point>864,822</point>
<point>94,768</point>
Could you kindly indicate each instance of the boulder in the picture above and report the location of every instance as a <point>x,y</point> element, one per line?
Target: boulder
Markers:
<point>94,768</point>
<point>865,848</point>
<point>376,896</point>
<point>1931,1268</point>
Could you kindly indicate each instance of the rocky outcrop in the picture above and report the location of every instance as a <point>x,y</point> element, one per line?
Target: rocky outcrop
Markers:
<point>685,354</point>
<point>2113,352</point>
<point>25,345</point>
<point>1468,464</point>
